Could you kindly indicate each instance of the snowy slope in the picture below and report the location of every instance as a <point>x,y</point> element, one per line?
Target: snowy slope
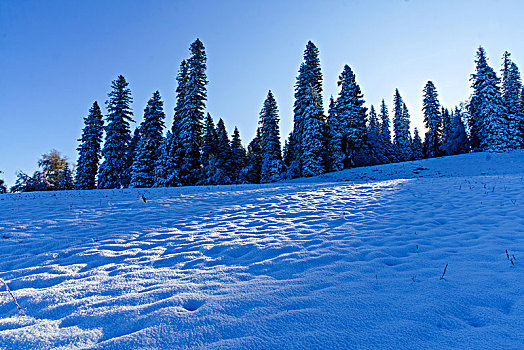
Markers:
<point>347,260</point>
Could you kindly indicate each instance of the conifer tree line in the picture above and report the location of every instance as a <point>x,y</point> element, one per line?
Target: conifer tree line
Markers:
<point>197,151</point>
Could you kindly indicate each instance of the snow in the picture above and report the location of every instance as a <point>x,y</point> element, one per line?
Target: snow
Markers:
<point>351,259</point>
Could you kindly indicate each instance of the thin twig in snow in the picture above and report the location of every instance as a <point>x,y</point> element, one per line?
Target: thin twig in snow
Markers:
<point>9,290</point>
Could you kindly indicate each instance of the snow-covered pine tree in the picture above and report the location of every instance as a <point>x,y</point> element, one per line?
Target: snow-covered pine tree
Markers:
<point>312,136</point>
<point>432,121</point>
<point>65,181</point>
<point>447,128</point>
<point>375,149</point>
<point>335,156</point>
<point>351,133</point>
<point>222,161</point>
<point>417,149</point>
<point>511,88</point>
<point>238,157</point>
<point>114,168</point>
<point>309,77</point>
<point>254,159</point>
<point>181,106</point>
<point>147,150</point>
<point>89,149</point>
<point>3,189</point>
<point>521,116</point>
<point>190,132</point>
<point>488,125</point>
<point>272,166</point>
<point>402,135</point>
<point>166,166</point>
<point>385,134</point>
<point>209,141</point>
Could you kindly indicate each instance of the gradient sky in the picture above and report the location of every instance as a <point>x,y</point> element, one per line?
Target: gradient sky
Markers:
<point>57,57</point>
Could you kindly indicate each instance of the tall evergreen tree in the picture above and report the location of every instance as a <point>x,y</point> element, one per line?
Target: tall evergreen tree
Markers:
<point>271,167</point>
<point>166,166</point>
<point>114,168</point>
<point>375,144</point>
<point>65,181</point>
<point>147,150</point>
<point>209,141</point>
<point>238,157</point>
<point>312,159</point>
<point>335,156</point>
<point>488,125</point>
<point>309,78</point>
<point>254,159</point>
<point>351,130</point>
<point>432,121</point>
<point>89,149</point>
<point>222,174</point>
<point>3,188</point>
<point>402,135</point>
<point>194,97</point>
<point>385,134</point>
<point>417,148</point>
<point>511,88</point>
<point>447,127</point>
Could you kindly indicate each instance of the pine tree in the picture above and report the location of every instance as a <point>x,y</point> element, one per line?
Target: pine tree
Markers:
<point>335,156</point>
<point>309,78</point>
<point>254,159</point>
<point>65,181</point>
<point>488,126</point>
<point>166,166</point>
<point>402,135</point>
<point>511,88</point>
<point>385,135</point>
<point>351,129</point>
<point>377,155</point>
<point>432,121</point>
<point>114,169</point>
<point>209,141</point>
<point>89,149</point>
<point>149,140</point>
<point>312,137</point>
<point>447,127</point>
<point>3,189</point>
<point>271,167</point>
<point>192,114</point>
<point>222,175</point>
<point>417,149</point>
<point>238,157</point>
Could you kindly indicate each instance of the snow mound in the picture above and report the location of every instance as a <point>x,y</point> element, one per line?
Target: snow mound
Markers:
<point>353,259</point>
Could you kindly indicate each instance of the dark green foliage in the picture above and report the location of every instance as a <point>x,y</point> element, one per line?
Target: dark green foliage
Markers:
<point>417,149</point>
<point>238,158</point>
<point>432,121</point>
<point>402,135</point>
<point>3,189</point>
<point>254,159</point>
<point>191,114</point>
<point>487,124</point>
<point>89,149</point>
<point>65,181</point>
<point>349,132</point>
<point>147,150</point>
<point>271,167</point>
<point>114,170</point>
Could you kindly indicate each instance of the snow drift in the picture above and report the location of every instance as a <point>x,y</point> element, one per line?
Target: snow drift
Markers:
<point>352,259</point>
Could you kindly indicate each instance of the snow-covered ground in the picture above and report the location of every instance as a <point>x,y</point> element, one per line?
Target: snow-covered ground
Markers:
<point>347,260</point>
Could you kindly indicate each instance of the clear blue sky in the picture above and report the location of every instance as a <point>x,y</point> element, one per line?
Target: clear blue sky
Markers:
<point>57,57</point>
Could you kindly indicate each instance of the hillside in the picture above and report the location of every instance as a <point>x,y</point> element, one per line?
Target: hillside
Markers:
<point>352,259</point>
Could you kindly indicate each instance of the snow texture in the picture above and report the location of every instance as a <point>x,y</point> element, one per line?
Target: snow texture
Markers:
<point>352,259</point>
